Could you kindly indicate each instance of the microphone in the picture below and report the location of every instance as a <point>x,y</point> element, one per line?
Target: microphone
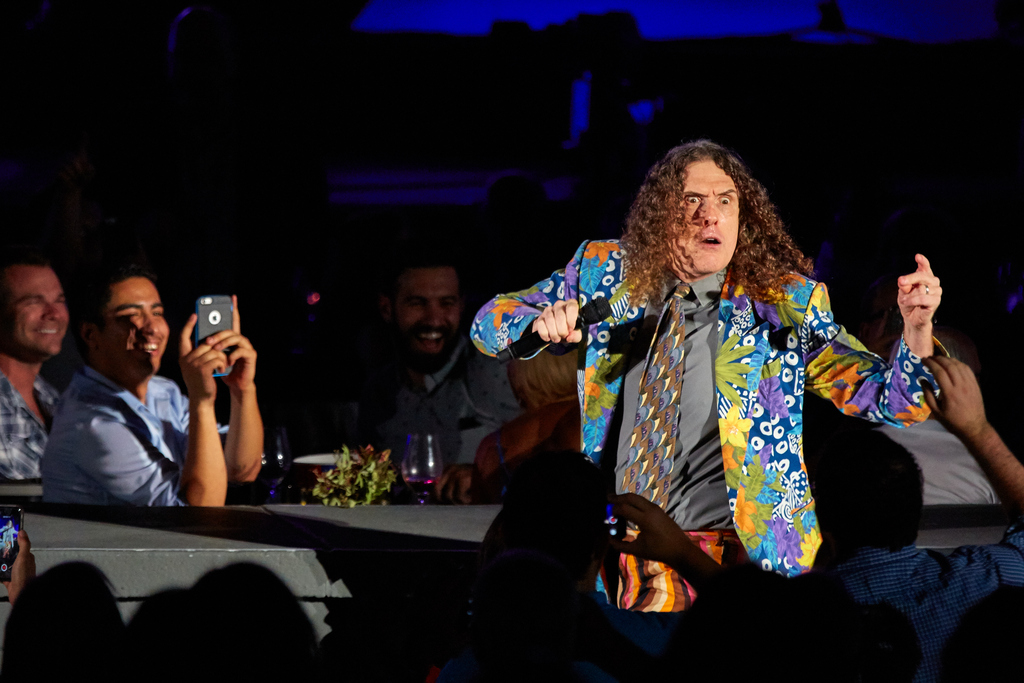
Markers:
<point>597,310</point>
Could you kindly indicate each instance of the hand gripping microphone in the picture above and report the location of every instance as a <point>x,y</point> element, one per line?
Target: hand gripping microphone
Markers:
<point>591,314</point>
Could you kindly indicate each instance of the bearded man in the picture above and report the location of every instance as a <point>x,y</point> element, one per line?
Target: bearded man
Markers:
<point>696,381</point>
<point>438,384</point>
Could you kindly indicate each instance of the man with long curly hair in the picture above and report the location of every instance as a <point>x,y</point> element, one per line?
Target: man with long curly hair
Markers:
<point>696,381</point>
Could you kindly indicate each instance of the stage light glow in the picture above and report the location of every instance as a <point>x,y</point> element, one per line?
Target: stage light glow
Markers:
<point>922,21</point>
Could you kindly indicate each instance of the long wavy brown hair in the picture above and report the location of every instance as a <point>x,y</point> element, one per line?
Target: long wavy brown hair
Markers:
<point>766,256</point>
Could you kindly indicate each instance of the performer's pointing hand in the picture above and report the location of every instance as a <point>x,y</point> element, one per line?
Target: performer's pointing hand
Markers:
<point>920,294</point>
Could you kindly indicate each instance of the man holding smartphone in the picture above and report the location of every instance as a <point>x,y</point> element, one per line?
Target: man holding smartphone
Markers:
<point>124,436</point>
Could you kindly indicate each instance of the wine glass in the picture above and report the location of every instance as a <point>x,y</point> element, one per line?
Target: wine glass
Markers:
<point>277,460</point>
<point>422,464</point>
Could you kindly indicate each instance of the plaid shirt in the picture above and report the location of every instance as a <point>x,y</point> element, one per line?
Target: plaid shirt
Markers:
<point>934,591</point>
<point>22,434</point>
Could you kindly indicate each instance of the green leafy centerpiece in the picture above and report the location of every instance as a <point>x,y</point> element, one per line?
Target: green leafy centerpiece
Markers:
<point>361,477</point>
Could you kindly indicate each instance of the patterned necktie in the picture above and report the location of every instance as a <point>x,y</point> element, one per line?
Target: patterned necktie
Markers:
<point>653,443</point>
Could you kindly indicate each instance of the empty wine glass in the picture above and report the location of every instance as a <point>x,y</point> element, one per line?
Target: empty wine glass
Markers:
<point>422,464</point>
<point>277,460</point>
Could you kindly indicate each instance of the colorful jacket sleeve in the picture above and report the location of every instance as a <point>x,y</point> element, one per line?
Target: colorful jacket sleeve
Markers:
<point>507,317</point>
<point>841,370</point>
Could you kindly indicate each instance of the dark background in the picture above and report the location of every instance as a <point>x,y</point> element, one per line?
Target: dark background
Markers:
<point>275,152</point>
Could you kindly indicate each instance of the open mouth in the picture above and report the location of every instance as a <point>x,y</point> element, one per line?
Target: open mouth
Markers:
<point>148,347</point>
<point>428,341</point>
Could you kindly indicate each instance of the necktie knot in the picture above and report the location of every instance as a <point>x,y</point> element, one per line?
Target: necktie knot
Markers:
<point>681,291</point>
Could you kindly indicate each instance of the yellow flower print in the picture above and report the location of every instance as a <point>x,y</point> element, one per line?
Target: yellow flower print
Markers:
<point>809,547</point>
<point>734,430</point>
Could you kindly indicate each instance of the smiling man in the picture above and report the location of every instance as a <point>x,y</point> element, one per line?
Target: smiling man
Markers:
<point>424,311</point>
<point>33,320</point>
<point>695,383</point>
<point>124,436</point>
<point>438,384</point>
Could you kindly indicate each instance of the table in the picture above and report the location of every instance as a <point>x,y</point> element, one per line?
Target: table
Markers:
<point>320,553</point>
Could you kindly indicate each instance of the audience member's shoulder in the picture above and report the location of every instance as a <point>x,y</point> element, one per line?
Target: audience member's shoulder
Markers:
<point>1009,551</point>
<point>164,387</point>
<point>650,631</point>
<point>46,391</point>
<point>88,392</point>
<point>463,668</point>
<point>1015,532</point>
<point>588,672</point>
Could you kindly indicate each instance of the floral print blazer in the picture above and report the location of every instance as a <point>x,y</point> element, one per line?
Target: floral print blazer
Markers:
<point>769,354</point>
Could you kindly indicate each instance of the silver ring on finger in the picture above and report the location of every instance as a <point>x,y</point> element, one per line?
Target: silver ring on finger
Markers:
<point>927,289</point>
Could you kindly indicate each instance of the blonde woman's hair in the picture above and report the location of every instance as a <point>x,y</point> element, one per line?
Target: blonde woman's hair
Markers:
<point>543,379</point>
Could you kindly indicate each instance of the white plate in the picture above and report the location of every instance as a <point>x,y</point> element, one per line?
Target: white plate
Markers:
<point>317,459</point>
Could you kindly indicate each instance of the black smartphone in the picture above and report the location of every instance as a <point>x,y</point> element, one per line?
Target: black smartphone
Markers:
<point>616,525</point>
<point>10,525</point>
<point>213,314</point>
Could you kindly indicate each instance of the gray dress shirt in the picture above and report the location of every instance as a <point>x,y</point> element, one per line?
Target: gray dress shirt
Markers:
<point>461,403</point>
<point>697,498</point>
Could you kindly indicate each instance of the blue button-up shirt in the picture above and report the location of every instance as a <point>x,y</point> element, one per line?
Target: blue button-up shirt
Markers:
<point>933,590</point>
<point>108,448</point>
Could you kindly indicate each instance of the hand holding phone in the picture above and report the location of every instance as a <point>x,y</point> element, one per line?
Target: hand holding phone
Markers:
<point>240,373</point>
<point>616,525</point>
<point>10,525</point>
<point>214,313</point>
